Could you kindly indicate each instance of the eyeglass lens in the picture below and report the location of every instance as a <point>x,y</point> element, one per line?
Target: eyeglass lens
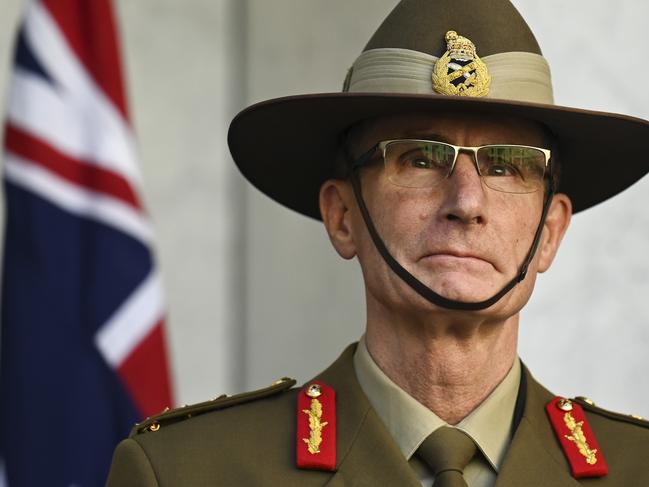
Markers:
<point>506,168</point>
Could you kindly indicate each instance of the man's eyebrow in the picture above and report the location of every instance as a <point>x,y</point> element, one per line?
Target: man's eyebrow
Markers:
<point>426,136</point>
<point>441,138</point>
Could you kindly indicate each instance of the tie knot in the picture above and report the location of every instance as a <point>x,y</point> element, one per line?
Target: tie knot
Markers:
<point>447,449</point>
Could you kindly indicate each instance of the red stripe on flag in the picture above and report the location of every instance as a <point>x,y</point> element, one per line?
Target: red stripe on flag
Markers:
<point>81,173</point>
<point>89,27</point>
<point>146,373</point>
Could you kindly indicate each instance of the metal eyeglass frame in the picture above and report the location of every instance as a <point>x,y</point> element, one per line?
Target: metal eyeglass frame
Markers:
<point>382,146</point>
<point>419,287</point>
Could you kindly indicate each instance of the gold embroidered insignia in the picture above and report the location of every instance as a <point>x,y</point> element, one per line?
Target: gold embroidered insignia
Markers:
<point>315,426</point>
<point>460,71</point>
<point>579,439</point>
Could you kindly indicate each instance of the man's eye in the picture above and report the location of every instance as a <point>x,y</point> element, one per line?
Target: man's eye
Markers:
<point>419,160</point>
<point>420,163</point>
<point>502,170</point>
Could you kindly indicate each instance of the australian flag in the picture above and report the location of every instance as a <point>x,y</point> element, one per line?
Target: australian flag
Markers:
<point>83,355</point>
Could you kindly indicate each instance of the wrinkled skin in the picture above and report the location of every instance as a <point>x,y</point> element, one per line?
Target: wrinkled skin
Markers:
<point>462,239</point>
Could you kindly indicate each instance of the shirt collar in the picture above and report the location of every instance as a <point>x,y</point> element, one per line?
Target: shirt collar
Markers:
<point>409,422</point>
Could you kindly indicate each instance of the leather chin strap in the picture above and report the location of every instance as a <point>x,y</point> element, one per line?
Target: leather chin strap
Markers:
<point>418,286</point>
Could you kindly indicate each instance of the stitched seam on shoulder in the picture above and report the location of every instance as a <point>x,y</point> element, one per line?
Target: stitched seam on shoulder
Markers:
<point>542,444</point>
<point>148,458</point>
<point>353,440</point>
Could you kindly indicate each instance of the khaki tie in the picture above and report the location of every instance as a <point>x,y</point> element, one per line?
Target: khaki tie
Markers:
<point>447,451</point>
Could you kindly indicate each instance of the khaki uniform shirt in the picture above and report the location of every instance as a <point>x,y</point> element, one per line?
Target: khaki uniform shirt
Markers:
<point>410,423</point>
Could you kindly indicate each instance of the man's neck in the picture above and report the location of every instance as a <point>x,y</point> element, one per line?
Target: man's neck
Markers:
<point>449,367</point>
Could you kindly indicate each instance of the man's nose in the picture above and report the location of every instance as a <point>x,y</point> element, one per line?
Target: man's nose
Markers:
<point>464,192</point>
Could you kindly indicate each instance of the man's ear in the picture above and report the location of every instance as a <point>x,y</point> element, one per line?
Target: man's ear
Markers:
<point>554,229</point>
<point>336,197</point>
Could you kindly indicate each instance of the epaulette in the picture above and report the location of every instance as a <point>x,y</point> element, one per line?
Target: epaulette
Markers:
<point>171,416</point>
<point>589,405</point>
<point>576,438</point>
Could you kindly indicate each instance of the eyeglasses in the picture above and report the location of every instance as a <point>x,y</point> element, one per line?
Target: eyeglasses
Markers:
<point>414,163</point>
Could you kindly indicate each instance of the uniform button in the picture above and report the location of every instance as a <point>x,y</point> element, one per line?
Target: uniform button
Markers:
<point>154,427</point>
<point>565,404</point>
<point>314,390</point>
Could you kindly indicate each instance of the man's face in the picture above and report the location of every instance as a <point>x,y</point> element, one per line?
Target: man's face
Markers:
<point>462,239</point>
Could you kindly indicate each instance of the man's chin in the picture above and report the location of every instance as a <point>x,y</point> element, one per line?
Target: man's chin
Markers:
<point>463,288</point>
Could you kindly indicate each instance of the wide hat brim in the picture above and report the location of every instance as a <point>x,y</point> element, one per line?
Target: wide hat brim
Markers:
<point>286,147</point>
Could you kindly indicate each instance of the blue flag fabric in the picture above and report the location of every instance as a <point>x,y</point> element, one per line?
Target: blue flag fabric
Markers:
<point>82,343</point>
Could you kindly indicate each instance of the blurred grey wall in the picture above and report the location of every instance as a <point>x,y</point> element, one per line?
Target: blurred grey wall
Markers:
<point>255,292</point>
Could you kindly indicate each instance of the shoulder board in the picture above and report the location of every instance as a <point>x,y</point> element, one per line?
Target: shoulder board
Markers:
<point>171,416</point>
<point>590,406</point>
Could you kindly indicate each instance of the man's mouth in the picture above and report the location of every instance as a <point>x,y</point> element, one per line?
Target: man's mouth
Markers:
<point>456,258</point>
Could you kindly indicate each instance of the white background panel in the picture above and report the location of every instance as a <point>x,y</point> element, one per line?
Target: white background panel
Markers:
<point>255,292</point>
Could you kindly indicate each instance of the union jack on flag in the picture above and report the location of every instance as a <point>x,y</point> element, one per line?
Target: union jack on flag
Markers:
<point>83,355</point>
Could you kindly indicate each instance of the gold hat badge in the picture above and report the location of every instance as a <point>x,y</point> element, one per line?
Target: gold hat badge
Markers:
<point>460,71</point>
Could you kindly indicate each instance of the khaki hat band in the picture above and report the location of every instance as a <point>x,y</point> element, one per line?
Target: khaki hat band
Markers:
<point>518,76</point>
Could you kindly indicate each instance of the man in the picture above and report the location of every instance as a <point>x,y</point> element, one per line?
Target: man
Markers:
<point>447,172</point>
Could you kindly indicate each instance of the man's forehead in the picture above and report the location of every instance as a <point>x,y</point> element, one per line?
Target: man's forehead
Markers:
<point>454,127</point>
